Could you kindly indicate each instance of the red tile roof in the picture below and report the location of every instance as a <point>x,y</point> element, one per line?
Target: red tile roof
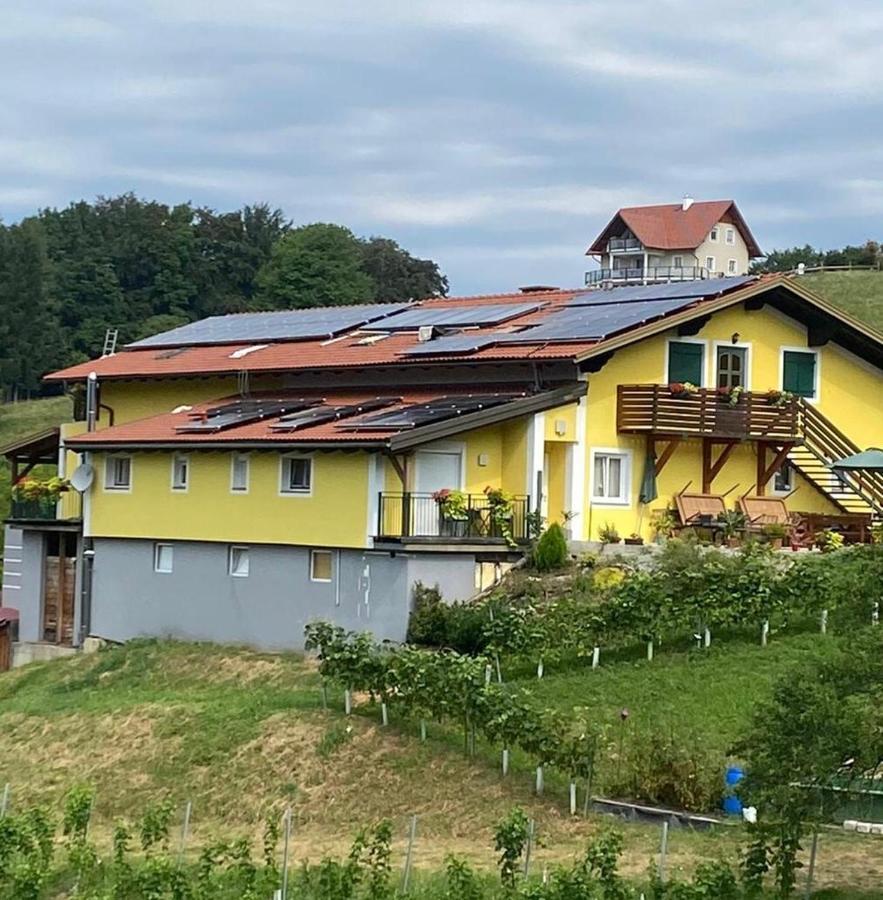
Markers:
<point>671,227</point>
<point>163,429</point>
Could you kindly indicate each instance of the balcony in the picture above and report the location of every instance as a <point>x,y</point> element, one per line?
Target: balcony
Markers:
<point>418,518</point>
<point>69,506</point>
<point>650,275</point>
<point>654,410</point>
<point>616,245</point>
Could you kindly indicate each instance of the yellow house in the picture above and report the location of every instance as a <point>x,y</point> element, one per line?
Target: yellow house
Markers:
<point>240,476</point>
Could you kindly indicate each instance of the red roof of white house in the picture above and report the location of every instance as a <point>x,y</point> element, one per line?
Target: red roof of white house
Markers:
<point>671,227</point>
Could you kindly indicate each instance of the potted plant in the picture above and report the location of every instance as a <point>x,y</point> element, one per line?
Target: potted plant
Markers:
<point>732,524</point>
<point>780,399</point>
<point>730,395</point>
<point>775,534</point>
<point>664,524</point>
<point>37,499</point>
<point>877,533</point>
<point>500,506</point>
<point>453,510</point>
<point>682,389</point>
<point>828,540</point>
<point>634,539</point>
<point>608,534</point>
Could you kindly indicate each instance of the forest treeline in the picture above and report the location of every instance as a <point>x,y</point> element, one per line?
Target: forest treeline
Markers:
<point>868,254</point>
<point>69,275</point>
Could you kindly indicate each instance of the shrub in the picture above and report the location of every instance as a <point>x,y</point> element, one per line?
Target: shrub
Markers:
<point>608,534</point>
<point>551,550</point>
<point>428,622</point>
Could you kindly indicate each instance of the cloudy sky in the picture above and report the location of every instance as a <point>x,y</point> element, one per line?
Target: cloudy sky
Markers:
<point>495,136</point>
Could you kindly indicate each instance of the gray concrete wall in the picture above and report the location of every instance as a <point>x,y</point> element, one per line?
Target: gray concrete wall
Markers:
<point>269,608</point>
<point>23,579</point>
<point>454,575</point>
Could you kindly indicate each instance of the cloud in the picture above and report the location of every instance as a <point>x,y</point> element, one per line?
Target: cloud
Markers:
<point>497,136</point>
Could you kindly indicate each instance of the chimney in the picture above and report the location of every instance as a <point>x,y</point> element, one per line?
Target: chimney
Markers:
<point>687,202</point>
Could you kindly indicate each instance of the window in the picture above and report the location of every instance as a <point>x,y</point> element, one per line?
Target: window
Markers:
<point>677,262</point>
<point>320,565</point>
<point>611,476</point>
<point>731,366</point>
<point>709,263</point>
<point>731,266</point>
<point>118,473</point>
<point>163,557</point>
<point>799,372</point>
<point>713,235</point>
<point>686,362</point>
<point>297,475</point>
<point>731,235</point>
<point>783,480</point>
<point>180,472</point>
<point>237,562</point>
<point>239,473</point>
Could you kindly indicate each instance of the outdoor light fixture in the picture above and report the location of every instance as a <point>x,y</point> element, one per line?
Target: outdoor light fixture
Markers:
<point>735,337</point>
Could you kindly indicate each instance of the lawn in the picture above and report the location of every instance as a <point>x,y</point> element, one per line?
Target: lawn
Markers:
<point>858,293</point>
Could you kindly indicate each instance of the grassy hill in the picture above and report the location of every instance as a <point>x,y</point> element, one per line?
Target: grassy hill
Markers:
<point>242,734</point>
<point>858,293</point>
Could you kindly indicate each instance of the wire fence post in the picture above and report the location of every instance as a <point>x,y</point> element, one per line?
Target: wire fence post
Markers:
<point>409,856</point>
<point>663,851</point>
<point>287,828</point>
<point>185,829</point>
<point>531,831</point>
<point>810,873</point>
<point>4,801</point>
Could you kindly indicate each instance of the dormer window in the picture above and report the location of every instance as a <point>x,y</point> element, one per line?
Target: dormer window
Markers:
<point>713,235</point>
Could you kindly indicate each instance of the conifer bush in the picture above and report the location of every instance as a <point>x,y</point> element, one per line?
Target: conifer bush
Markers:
<point>551,551</point>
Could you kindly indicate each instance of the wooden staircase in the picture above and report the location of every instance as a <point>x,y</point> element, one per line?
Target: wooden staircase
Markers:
<point>823,444</point>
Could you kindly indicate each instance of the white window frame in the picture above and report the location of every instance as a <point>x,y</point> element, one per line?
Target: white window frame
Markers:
<point>730,236</point>
<point>713,263</point>
<point>747,346</point>
<point>817,381</point>
<point>238,548</point>
<point>157,548</point>
<point>313,555</point>
<point>685,340</point>
<point>110,460</point>
<point>625,499</point>
<point>732,266</point>
<point>177,487</point>
<point>284,465</point>
<point>712,235</point>
<point>772,482</point>
<point>246,458</point>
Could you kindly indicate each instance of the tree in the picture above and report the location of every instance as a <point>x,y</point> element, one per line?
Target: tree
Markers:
<point>315,265</point>
<point>399,276</point>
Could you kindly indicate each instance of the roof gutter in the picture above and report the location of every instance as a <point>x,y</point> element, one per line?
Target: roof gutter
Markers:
<point>78,445</point>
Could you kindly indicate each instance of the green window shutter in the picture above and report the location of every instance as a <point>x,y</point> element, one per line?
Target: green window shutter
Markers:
<point>799,373</point>
<point>685,362</point>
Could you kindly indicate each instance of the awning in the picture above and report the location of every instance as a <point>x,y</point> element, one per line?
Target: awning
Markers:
<point>870,460</point>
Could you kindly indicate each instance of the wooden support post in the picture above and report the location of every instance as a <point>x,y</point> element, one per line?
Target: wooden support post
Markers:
<point>711,467</point>
<point>760,487</point>
<point>706,465</point>
<point>770,470</point>
<point>666,454</point>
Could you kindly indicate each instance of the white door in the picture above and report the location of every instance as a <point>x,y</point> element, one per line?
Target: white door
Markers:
<point>434,470</point>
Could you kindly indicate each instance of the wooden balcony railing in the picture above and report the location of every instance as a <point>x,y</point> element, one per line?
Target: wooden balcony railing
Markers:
<point>655,409</point>
<point>412,515</point>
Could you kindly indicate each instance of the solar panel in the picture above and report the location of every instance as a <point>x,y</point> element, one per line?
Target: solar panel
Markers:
<point>595,323</point>
<point>700,288</point>
<point>456,316</point>
<point>455,343</point>
<point>241,412</point>
<point>321,414</point>
<point>290,324</point>
<point>436,410</point>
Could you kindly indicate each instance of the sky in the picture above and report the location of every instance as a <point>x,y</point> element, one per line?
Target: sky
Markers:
<point>495,136</point>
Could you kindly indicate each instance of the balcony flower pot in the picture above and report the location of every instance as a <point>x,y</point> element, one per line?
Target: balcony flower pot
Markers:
<point>780,399</point>
<point>682,390</point>
<point>455,528</point>
<point>634,540</point>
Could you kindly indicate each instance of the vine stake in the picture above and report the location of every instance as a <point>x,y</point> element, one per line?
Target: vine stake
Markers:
<point>287,820</point>
<point>4,801</point>
<point>412,834</point>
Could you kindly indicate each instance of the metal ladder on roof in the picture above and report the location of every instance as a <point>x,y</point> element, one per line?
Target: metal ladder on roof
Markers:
<point>110,342</point>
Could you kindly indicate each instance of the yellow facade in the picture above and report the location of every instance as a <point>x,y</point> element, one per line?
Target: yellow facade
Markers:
<point>849,395</point>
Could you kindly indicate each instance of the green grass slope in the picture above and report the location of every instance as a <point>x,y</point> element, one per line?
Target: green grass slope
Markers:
<point>858,293</point>
<point>242,734</point>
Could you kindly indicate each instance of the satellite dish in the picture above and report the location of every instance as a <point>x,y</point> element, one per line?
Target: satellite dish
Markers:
<point>81,480</point>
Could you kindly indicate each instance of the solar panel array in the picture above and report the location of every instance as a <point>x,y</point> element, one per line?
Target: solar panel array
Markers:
<point>436,410</point>
<point>455,343</point>
<point>671,290</point>
<point>455,316</point>
<point>595,322</point>
<point>241,412</point>
<point>319,415</point>
<point>287,325</point>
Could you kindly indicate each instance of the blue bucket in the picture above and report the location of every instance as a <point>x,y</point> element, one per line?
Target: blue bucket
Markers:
<point>732,805</point>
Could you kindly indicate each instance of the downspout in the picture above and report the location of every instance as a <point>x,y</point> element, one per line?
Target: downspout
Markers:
<point>88,556</point>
